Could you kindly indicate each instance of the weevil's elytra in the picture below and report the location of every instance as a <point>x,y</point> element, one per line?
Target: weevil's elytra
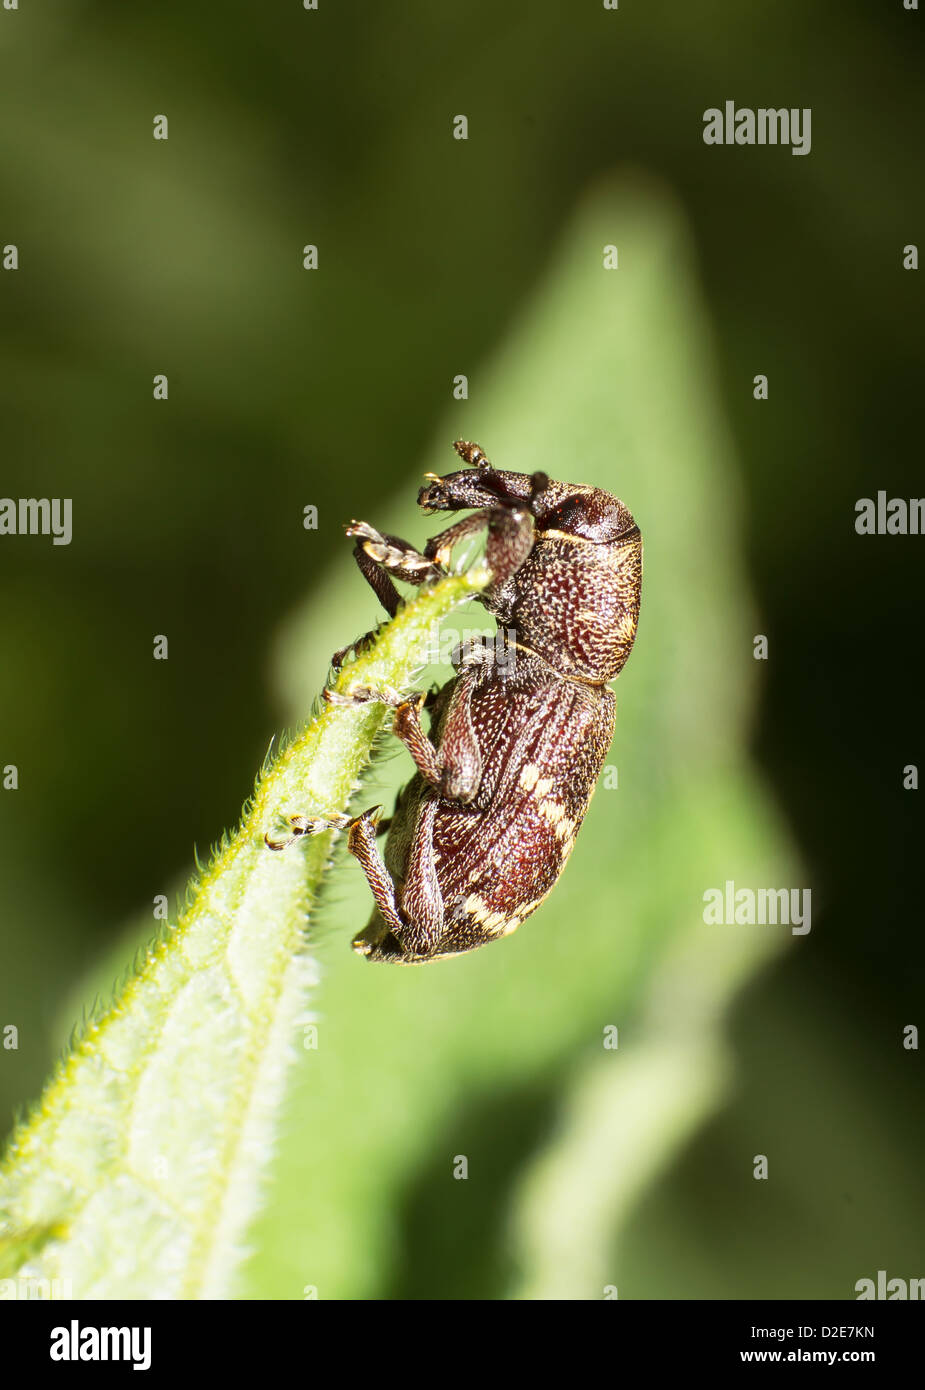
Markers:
<point>517,740</point>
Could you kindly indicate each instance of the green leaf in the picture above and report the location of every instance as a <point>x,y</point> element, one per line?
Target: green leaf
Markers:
<point>606,379</point>
<point>140,1168</point>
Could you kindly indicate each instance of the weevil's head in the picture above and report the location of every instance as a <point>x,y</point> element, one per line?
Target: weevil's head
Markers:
<point>575,598</point>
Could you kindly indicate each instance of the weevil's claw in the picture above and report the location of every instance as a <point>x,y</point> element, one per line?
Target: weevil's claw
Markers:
<point>277,844</point>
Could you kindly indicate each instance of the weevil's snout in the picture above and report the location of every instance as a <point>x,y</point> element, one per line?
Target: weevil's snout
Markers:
<point>432,496</point>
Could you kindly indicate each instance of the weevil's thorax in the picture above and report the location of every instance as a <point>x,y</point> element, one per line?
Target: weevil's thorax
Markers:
<point>575,600</point>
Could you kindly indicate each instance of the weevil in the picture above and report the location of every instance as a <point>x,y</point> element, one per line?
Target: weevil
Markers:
<point>517,739</point>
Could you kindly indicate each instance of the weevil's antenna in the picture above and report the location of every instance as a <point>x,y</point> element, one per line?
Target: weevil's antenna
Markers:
<point>473,454</point>
<point>539,482</point>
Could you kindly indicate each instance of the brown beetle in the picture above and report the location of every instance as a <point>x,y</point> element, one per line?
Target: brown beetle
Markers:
<point>483,830</point>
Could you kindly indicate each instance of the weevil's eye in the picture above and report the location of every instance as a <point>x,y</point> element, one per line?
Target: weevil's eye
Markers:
<point>594,515</point>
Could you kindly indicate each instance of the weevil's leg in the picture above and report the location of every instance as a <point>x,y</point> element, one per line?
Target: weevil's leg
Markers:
<point>361,843</point>
<point>399,557</point>
<point>378,580</point>
<point>365,695</point>
<point>408,727</point>
<point>358,647</point>
<point>310,825</point>
<point>385,592</point>
<point>421,898</point>
<point>432,695</point>
<point>510,540</point>
<point>460,750</point>
<point>455,768</point>
<point>314,825</point>
<point>379,556</point>
<point>439,547</point>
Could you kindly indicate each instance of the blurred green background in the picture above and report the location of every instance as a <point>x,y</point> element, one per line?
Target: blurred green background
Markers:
<point>588,1168</point>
